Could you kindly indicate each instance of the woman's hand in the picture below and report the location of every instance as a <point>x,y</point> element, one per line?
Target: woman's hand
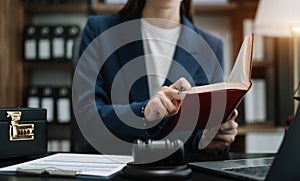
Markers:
<point>167,101</point>
<point>225,136</point>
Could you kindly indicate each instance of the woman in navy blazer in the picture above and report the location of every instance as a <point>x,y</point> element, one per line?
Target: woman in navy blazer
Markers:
<point>166,100</point>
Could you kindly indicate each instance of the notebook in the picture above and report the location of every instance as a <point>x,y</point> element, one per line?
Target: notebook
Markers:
<point>284,166</point>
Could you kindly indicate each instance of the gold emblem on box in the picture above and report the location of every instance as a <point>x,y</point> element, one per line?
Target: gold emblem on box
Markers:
<point>17,131</point>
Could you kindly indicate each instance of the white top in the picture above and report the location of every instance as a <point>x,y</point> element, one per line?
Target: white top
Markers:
<point>159,47</point>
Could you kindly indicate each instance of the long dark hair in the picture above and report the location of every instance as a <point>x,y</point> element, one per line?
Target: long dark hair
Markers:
<point>133,6</point>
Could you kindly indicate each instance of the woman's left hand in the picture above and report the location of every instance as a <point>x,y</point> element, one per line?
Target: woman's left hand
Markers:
<point>225,136</point>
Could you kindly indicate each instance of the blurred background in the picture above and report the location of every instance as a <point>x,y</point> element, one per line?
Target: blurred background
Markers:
<point>38,51</point>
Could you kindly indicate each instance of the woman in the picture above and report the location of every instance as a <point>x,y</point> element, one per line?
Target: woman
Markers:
<point>153,98</point>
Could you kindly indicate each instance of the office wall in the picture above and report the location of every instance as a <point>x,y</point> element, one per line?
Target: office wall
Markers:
<point>221,28</point>
<point>264,142</point>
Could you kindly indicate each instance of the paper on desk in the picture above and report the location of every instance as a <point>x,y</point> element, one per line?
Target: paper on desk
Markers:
<point>82,164</point>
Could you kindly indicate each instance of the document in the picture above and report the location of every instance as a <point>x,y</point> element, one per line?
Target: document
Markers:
<point>68,164</point>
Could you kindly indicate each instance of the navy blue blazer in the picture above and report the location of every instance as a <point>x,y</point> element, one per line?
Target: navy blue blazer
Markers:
<point>138,94</point>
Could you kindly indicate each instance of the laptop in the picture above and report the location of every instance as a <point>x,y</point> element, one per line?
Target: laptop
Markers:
<point>284,166</point>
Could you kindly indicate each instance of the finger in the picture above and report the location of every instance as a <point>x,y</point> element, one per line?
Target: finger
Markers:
<point>232,131</point>
<point>177,103</point>
<point>168,105</point>
<point>229,125</point>
<point>228,138</point>
<point>181,84</point>
<point>234,114</point>
<point>170,93</point>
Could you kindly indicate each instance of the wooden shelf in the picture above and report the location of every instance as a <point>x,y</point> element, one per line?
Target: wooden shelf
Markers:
<point>199,9</point>
<point>215,9</point>
<point>262,64</point>
<point>250,4</point>
<point>56,8</point>
<point>106,8</point>
<point>268,126</point>
<point>56,64</point>
<point>102,8</point>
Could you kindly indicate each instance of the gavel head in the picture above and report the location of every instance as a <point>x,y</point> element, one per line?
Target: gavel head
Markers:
<point>160,152</point>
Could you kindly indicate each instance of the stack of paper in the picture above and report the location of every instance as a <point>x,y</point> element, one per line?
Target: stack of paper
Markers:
<point>72,165</point>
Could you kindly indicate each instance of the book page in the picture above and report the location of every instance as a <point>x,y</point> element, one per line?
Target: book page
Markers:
<point>241,71</point>
<point>240,75</point>
<point>79,164</point>
<point>218,86</point>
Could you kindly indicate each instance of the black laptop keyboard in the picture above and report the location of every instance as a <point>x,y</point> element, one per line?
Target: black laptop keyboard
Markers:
<point>259,171</point>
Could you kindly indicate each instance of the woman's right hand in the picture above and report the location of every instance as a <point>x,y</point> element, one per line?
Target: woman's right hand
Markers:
<point>167,101</point>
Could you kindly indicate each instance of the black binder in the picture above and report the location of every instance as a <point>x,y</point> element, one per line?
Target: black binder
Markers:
<point>30,43</point>
<point>72,33</point>
<point>48,102</point>
<point>33,97</point>
<point>58,43</point>
<point>63,104</point>
<point>44,45</point>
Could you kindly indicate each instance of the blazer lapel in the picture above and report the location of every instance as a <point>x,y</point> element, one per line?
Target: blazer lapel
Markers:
<point>193,59</point>
<point>131,54</point>
<point>183,64</point>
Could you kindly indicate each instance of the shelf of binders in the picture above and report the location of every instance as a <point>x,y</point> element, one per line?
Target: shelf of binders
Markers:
<point>49,43</point>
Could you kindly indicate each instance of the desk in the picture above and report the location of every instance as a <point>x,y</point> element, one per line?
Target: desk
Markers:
<point>196,175</point>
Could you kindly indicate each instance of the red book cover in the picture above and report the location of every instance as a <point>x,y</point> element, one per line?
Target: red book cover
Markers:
<point>214,103</point>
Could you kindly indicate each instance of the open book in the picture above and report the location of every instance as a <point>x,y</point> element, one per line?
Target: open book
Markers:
<point>217,101</point>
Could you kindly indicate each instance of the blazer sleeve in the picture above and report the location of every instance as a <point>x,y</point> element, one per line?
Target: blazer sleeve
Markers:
<point>106,109</point>
<point>88,35</point>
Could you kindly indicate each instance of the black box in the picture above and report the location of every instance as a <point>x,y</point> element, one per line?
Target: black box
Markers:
<point>23,132</point>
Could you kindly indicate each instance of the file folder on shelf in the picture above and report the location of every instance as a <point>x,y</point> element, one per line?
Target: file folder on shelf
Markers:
<point>63,102</point>
<point>30,43</point>
<point>72,33</point>
<point>33,97</point>
<point>44,45</point>
<point>47,102</point>
<point>58,43</point>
